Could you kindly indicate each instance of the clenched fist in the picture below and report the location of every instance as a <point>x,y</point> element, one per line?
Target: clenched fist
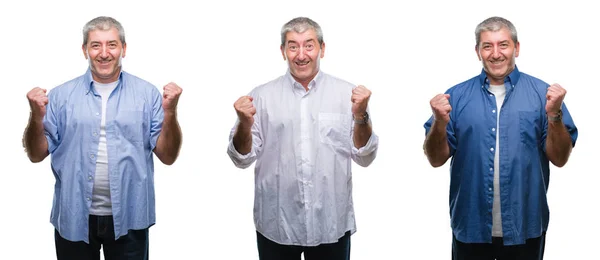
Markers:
<point>440,106</point>
<point>171,93</point>
<point>360,100</point>
<point>37,102</point>
<point>245,111</point>
<point>554,99</point>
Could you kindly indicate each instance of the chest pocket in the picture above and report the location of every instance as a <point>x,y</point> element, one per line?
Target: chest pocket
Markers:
<point>130,123</point>
<point>334,129</point>
<point>529,127</point>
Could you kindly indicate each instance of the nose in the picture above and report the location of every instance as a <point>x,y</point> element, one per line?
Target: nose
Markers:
<point>104,52</point>
<point>496,54</point>
<point>302,53</point>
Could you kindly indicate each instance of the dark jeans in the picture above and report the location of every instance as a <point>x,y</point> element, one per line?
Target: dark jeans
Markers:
<point>533,249</point>
<point>269,250</point>
<point>134,245</point>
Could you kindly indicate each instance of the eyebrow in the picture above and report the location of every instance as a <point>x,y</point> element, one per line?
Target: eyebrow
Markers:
<point>307,41</point>
<point>505,41</point>
<point>111,41</point>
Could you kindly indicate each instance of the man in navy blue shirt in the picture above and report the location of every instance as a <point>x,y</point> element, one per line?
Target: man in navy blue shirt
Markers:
<point>501,128</point>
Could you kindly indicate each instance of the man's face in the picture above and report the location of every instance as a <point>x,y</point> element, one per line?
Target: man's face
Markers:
<point>497,52</point>
<point>104,51</point>
<point>303,52</point>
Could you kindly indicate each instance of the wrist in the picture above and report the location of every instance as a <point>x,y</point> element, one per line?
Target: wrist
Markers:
<point>35,117</point>
<point>361,118</point>
<point>554,116</point>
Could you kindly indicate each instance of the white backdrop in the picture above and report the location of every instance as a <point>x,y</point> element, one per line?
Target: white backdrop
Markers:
<point>219,50</point>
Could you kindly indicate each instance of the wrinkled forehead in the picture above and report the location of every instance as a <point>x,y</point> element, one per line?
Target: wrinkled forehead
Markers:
<point>102,35</point>
<point>307,35</point>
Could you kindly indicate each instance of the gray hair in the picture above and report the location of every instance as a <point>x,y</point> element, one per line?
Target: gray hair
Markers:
<point>103,23</point>
<point>495,24</point>
<point>300,25</point>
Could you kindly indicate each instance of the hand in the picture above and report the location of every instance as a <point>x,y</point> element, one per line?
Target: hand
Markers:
<point>171,93</point>
<point>245,110</point>
<point>554,99</point>
<point>37,102</point>
<point>440,105</point>
<point>360,100</point>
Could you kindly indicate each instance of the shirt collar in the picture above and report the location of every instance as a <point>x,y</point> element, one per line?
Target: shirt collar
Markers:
<point>512,78</point>
<point>314,82</point>
<point>89,81</point>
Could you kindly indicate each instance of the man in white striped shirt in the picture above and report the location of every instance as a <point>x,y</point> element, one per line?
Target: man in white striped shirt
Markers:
<point>303,129</point>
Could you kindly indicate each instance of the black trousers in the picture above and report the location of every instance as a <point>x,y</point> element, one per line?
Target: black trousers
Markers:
<point>269,250</point>
<point>133,246</point>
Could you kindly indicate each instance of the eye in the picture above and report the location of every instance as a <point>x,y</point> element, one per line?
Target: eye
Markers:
<point>504,45</point>
<point>112,45</point>
<point>309,47</point>
<point>293,48</point>
<point>487,47</point>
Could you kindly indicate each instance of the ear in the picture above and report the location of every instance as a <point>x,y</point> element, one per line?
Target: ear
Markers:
<point>517,46</point>
<point>85,54</point>
<point>282,51</point>
<point>124,50</point>
<point>477,51</point>
<point>322,50</point>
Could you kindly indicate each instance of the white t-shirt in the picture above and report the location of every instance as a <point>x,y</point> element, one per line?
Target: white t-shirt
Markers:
<point>101,202</point>
<point>499,92</point>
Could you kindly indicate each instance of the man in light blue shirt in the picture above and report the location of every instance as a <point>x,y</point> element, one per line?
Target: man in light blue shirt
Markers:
<point>101,129</point>
<point>502,128</point>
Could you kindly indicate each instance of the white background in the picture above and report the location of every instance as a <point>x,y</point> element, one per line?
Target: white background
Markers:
<point>219,50</point>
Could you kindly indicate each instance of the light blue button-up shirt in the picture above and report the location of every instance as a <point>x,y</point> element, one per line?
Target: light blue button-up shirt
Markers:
<point>524,167</point>
<point>134,119</point>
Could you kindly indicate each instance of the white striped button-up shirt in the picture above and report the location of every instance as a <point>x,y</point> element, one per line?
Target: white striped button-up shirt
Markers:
<point>302,144</point>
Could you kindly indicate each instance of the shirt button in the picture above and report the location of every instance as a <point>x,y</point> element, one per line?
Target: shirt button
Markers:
<point>97,114</point>
<point>90,178</point>
<point>491,95</point>
<point>92,156</point>
<point>490,189</point>
<point>492,149</point>
<point>491,169</point>
<point>95,133</point>
<point>88,198</point>
<point>494,111</point>
<point>494,129</point>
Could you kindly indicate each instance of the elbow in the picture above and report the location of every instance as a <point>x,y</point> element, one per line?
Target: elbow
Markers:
<point>35,158</point>
<point>167,160</point>
<point>240,163</point>
<point>560,163</point>
<point>365,163</point>
<point>436,162</point>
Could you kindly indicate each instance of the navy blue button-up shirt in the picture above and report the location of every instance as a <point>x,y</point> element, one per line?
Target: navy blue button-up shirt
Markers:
<point>524,168</point>
<point>134,117</point>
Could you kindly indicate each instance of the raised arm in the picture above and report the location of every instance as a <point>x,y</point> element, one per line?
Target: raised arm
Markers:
<point>169,141</point>
<point>558,139</point>
<point>436,143</point>
<point>34,140</point>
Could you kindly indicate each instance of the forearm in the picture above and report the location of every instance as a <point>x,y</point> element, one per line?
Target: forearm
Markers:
<point>558,143</point>
<point>361,134</point>
<point>34,140</point>
<point>169,140</point>
<point>436,145</point>
<point>242,139</point>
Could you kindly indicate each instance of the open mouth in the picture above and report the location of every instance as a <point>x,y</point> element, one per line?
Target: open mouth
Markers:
<point>302,64</point>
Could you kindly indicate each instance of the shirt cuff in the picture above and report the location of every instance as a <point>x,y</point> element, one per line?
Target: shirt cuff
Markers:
<point>371,146</point>
<point>235,154</point>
